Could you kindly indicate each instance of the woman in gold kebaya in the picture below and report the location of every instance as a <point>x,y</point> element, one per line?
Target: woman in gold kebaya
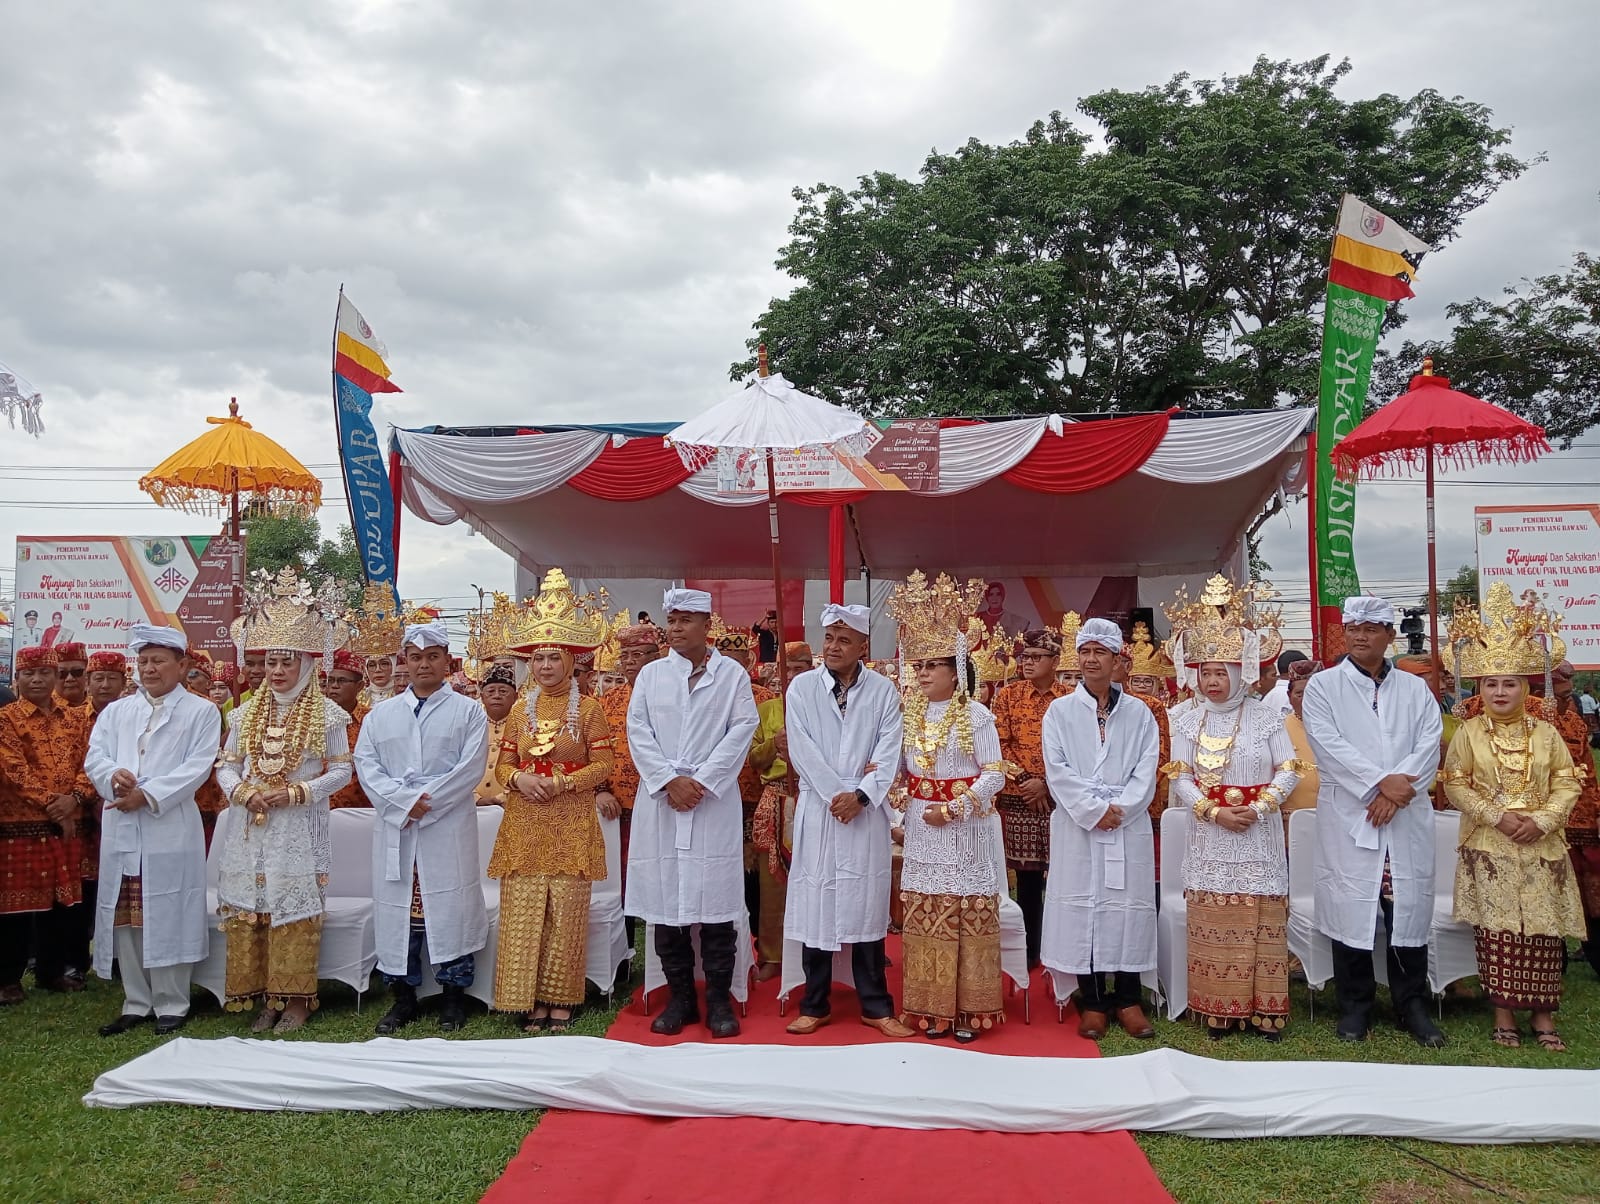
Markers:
<point>1512,778</point>
<point>556,751</point>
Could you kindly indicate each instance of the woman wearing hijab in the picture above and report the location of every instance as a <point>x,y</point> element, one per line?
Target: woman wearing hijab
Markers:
<point>286,755</point>
<point>1235,766</point>
<point>554,755</point>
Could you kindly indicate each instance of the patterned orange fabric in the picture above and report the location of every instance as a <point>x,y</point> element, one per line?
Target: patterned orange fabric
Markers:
<point>41,756</point>
<point>560,837</point>
<point>1159,710</point>
<point>352,795</point>
<point>624,777</point>
<point>1018,711</point>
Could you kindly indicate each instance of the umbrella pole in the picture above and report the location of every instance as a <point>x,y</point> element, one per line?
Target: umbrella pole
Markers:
<point>1437,657</point>
<point>777,573</point>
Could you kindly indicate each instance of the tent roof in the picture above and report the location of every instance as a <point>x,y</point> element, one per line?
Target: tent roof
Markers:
<point>1183,509</point>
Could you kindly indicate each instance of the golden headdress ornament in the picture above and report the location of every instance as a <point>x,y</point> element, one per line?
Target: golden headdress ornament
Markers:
<point>1232,624</point>
<point>558,618</point>
<point>996,660</point>
<point>379,626</point>
<point>933,618</point>
<point>727,639</point>
<point>608,658</point>
<point>1509,639</point>
<point>1070,622</point>
<point>282,613</point>
<point>1147,658</point>
<point>488,633</point>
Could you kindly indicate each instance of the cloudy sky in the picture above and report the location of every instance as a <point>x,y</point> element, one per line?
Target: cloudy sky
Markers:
<point>569,213</point>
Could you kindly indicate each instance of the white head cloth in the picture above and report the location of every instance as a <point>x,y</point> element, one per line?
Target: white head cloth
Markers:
<point>1100,631</point>
<point>1368,608</point>
<point>427,635</point>
<point>690,601</point>
<point>857,618</point>
<point>143,635</point>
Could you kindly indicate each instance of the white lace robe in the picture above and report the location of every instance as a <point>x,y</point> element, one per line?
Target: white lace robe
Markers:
<point>280,868</point>
<point>1252,862</point>
<point>958,858</point>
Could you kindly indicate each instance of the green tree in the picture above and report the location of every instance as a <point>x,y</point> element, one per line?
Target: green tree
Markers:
<point>1461,587</point>
<point>274,543</point>
<point>1536,351</point>
<point>1183,263</point>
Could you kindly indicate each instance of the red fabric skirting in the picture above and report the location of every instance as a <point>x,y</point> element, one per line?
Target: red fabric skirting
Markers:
<point>641,468</point>
<point>1090,455</point>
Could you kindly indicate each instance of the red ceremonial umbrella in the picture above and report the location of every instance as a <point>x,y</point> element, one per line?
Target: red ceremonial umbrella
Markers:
<point>1431,421</point>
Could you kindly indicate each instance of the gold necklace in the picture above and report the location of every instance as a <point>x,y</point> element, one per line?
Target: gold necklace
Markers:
<point>1214,752</point>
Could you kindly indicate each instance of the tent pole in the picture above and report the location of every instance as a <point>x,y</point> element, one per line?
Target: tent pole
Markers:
<point>1436,658</point>
<point>394,490</point>
<point>777,574</point>
<point>1312,569</point>
<point>836,554</point>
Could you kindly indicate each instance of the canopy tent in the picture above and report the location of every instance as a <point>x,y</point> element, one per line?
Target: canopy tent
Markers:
<point>1142,495</point>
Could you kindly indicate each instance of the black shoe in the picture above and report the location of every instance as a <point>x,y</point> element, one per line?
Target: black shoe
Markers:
<point>719,1015</point>
<point>453,1010</point>
<point>680,1010</point>
<point>1352,1027</point>
<point>1415,1020</point>
<point>1217,1034</point>
<point>123,1023</point>
<point>167,1025</point>
<point>401,1012</point>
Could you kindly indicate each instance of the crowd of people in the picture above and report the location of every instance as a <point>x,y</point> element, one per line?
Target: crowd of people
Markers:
<point>909,795</point>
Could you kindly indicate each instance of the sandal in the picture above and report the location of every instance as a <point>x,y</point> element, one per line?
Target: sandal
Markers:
<point>560,1024</point>
<point>966,1036</point>
<point>535,1023</point>
<point>291,1021</point>
<point>1549,1040</point>
<point>1509,1038</point>
<point>936,1034</point>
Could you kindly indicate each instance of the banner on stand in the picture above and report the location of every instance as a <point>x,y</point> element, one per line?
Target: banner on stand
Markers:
<point>904,458</point>
<point>1555,552</point>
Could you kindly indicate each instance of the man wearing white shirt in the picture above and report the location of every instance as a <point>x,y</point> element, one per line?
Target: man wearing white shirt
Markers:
<point>1376,736</point>
<point>419,757</point>
<point>845,729</point>
<point>1101,752</point>
<point>1278,697</point>
<point>690,720</point>
<point>148,754</point>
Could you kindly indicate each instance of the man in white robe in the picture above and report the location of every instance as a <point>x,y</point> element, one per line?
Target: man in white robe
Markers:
<point>1376,736</point>
<point>845,731</point>
<point>1101,749</point>
<point>148,754</point>
<point>419,757</point>
<point>690,720</point>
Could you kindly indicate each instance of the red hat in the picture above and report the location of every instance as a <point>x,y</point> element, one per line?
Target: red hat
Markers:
<point>227,671</point>
<point>72,652</point>
<point>108,662</point>
<point>37,658</point>
<point>349,662</point>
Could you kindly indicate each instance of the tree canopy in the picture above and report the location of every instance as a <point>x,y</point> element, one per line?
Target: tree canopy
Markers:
<point>273,544</point>
<point>1181,261</point>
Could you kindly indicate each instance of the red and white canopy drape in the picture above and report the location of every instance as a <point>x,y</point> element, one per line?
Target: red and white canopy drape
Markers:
<point>1147,493</point>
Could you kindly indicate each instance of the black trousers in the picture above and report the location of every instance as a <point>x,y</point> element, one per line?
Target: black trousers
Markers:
<point>1356,987</point>
<point>1030,898</point>
<point>869,964</point>
<point>48,934</point>
<point>1109,992</point>
<point>78,957</point>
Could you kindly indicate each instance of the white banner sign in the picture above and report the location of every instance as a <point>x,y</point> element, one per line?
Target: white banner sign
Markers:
<point>1554,551</point>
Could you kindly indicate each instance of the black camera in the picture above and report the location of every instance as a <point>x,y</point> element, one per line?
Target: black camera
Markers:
<point>1412,627</point>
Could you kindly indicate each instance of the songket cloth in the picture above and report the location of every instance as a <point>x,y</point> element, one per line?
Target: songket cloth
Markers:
<point>276,964</point>
<point>950,893</point>
<point>351,794</point>
<point>1019,710</point>
<point>41,756</point>
<point>1238,959</point>
<point>1583,837</point>
<point>547,854</point>
<point>1520,972</point>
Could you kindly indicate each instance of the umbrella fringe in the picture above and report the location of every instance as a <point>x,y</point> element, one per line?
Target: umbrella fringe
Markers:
<point>1465,454</point>
<point>200,500</point>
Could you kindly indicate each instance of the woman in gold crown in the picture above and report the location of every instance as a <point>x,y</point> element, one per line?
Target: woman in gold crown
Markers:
<point>555,753</point>
<point>949,887</point>
<point>1235,766</point>
<point>1512,778</point>
<point>286,755</point>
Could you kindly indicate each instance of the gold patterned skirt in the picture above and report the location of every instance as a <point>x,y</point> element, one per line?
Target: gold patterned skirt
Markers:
<point>1520,971</point>
<point>1238,959</point>
<point>278,965</point>
<point>544,937</point>
<point>951,946</point>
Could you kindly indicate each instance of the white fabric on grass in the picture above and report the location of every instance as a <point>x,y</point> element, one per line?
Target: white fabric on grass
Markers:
<point>902,1086</point>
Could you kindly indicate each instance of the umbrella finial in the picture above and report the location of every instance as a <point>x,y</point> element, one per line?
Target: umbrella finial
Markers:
<point>761,360</point>
<point>1427,366</point>
<point>233,407</point>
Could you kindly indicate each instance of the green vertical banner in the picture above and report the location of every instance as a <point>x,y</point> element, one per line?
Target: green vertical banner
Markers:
<point>1351,323</point>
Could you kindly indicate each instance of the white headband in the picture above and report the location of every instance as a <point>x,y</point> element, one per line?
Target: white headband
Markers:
<point>857,618</point>
<point>1368,608</point>
<point>143,635</point>
<point>1100,631</point>
<point>427,635</point>
<point>690,601</point>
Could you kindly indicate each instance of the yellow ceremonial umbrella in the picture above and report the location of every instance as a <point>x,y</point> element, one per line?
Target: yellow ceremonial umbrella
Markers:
<point>228,462</point>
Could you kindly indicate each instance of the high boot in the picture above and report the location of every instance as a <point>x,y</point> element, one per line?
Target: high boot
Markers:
<point>453,1009</point>
<point>717,952</point>
<point>1408,988</point>
<point>401,1012</point>
<point>1355,988</point>
<point>676,951</point>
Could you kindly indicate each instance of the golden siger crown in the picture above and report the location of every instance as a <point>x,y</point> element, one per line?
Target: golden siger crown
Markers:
<point>1070,622</point>
<point>282,613</point>
<point>995,661</point>
<point>1148,659</point>
<point>727,639</point>
<point>378,627</point>
<point>933,617</point>
<point>1509,639</point>
<point>608,657</point>
<point>487,635</point>
<point>1220,624</point>
<point>558,618</point>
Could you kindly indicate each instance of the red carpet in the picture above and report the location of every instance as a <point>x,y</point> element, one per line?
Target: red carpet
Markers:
<point>595,1157</point>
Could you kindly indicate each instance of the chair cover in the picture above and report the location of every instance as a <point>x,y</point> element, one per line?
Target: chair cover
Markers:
<point>608,946</point>
<point>1172,924</point>
<point>1306,941</point>
<point>1451,953</point>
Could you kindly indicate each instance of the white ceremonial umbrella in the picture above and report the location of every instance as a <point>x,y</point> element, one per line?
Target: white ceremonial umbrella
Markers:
<point>769,415</point>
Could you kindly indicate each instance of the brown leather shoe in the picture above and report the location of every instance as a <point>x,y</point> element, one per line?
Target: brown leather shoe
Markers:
<point>804,1026</point>
<point>889,1026</point>
<point>1135,1022</point>
<point>1093,1025</point>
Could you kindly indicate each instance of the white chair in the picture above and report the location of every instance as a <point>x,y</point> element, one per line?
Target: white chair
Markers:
<point>1306,940</point>
<point>744,963</point>
<point>484,961</point>
<point>608,946</point>
<point>1172,924</point>
<point>1452,955</point>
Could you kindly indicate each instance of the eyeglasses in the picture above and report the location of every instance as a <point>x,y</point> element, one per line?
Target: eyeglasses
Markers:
<point>72,672</point>
<point>1036,656</point>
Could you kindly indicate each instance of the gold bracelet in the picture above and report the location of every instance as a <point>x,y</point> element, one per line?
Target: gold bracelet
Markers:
<point>944,810</point>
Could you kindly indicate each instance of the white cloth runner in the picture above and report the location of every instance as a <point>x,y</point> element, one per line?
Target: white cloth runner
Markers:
<point>909,1086</point>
